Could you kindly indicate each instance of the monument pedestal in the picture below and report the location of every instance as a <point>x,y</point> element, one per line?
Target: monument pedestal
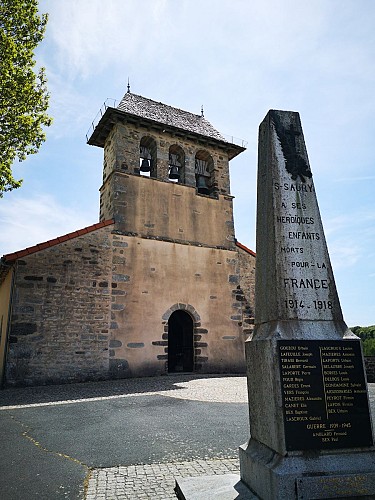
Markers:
<point>309,475</point>
<point>218,487</point>
<point>310,426</point>
<point>311,434</point>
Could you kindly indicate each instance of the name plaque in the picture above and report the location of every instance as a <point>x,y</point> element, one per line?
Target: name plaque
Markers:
<point>324,395</point>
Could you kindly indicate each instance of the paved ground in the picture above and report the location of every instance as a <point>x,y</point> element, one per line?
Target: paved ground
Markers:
<point>124,439</point>
<point>119,439</point>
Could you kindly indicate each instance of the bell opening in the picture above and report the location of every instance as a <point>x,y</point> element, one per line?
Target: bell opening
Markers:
<point>202,185</point>
<point>174,173</point>
<point>145,166</point>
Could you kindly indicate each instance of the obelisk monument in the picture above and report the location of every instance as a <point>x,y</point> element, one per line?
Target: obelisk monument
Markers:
<point>310,427</point>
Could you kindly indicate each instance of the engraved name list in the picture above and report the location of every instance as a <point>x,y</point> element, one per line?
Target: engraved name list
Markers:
<point>324,395</point>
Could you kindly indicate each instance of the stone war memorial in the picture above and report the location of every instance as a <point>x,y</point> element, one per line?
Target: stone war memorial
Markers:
<point>310,425</point>
<point>310,428</point>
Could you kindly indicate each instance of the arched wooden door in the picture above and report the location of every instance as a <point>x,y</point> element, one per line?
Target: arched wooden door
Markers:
<point>180,342</point>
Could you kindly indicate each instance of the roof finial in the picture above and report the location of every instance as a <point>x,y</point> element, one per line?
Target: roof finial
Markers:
<point>202,112</point>
<point>128,86</point>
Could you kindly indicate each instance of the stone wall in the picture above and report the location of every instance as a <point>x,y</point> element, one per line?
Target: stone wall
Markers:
<point>155,278</point>
<point>97,307</point>
<point>150,208</point>
<point>121,154</point>
<point>246,262</point>
<point>61,306</point>
<point>370,368</point>
<point>173,211</point>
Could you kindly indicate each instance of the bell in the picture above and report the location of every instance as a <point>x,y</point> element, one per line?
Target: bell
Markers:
<point>201,185</point>
<point>145,166</point>
<point>173,173</point>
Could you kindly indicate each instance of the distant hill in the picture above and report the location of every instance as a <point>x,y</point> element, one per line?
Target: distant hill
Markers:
<point>367,335</point>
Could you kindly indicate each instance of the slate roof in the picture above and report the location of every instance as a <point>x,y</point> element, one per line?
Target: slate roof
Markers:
<point>140,110</point>
<point>162,113</point>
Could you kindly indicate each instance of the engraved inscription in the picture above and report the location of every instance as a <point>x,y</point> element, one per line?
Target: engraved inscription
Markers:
<point>324,395</point>
<point>305,273</point>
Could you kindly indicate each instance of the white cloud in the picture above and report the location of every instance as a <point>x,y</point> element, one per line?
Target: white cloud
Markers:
<point>345,254</point>
<point>91,35</point>
<point>350,236</point>
<point>239,59</point>
<point>35,220</point>
<point>337,224</point>
<point>71,110</point>
<point>359,221</point>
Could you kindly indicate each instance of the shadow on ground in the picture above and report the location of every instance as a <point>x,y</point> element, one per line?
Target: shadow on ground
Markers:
<point>86,390</point>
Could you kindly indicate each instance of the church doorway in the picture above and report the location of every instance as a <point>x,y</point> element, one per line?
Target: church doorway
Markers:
<point>180,342</point>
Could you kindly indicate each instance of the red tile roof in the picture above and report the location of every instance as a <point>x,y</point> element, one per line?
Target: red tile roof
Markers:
<point>240,245</point>
<point>10,257</point>
<point>41,246</point>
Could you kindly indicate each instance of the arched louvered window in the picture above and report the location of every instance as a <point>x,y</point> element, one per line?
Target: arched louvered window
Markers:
<point>204,165</point>
<point>176,168</point>
<point>148,157</point>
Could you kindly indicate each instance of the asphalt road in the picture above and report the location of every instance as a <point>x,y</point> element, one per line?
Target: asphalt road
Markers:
<point>51,437</point>
<point>46,451</point>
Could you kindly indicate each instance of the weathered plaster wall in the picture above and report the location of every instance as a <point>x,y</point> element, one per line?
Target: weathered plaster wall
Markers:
<point>97,307</point>
<point>151,208</point>
<point>158,207</point>
<point>61,307</point>
<point>154,278</point>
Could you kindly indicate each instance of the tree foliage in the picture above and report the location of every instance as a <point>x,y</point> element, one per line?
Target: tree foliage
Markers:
<point>23,92</point>
<point>367,335</point>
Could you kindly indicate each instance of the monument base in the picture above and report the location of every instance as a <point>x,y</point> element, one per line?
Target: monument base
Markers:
<point>310,475</point>
<point>219,487</point>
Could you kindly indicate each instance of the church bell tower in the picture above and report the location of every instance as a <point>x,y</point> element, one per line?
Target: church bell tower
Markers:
<point>177,305</point>
<point>159,285</point>
<point>166,173</point>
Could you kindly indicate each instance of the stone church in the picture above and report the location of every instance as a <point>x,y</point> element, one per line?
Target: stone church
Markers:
<point>159,285</point>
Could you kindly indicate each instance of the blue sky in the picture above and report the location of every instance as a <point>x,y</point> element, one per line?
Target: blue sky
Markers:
<point>237,58</point>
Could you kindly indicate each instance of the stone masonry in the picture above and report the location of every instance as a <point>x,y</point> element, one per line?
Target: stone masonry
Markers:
<point>99,303</point>
<point>92,308</point>
<point>60,316</point>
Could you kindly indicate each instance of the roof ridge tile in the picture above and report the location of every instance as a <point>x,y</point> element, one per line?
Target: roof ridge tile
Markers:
<point>243,247</point>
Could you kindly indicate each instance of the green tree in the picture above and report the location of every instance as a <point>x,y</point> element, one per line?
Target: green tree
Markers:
<point>23,92</point>
<point>369,347</point>
<point>367,335</point>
